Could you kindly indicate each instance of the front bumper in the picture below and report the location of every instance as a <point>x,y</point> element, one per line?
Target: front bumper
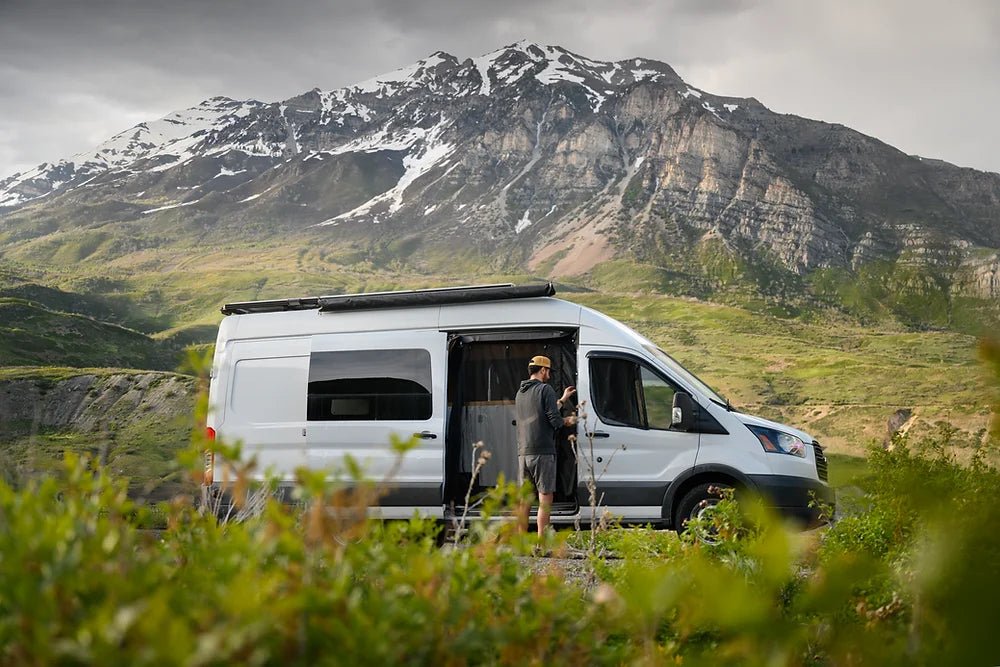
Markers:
<point>806,501</point>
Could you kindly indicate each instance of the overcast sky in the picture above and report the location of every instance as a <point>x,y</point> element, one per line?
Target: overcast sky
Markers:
<point>922,75</point>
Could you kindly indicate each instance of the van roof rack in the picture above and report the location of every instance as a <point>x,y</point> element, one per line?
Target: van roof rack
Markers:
<point>372,300</point>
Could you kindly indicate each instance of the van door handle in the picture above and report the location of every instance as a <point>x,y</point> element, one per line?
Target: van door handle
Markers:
<point>426,435</point>
<point>598,434</point>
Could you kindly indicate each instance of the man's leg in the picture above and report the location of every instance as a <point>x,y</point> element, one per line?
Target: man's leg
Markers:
<point>546,484</point>
<point>523,510</point>
<point>544,510</point>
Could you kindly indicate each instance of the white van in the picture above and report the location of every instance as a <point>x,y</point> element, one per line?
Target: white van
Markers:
<point>303,382</point>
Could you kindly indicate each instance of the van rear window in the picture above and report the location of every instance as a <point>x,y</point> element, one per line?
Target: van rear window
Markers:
<point>370,385</point>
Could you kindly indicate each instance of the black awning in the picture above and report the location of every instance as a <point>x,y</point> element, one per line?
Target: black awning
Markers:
<point>401,299</point>
<point>433,297</point>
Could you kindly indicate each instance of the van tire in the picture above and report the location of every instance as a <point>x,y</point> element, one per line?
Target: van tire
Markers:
<point>696,500</point>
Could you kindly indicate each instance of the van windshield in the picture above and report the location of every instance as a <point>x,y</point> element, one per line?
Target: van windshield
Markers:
<point>674,366</point>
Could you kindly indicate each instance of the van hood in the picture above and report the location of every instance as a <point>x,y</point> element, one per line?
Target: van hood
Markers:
<point>751,420</point>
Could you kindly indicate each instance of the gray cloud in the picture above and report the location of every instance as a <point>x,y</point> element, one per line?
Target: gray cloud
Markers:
<point>914,74</point>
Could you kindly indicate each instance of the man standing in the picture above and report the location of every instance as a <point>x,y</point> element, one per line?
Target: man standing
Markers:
<point>538,419</point>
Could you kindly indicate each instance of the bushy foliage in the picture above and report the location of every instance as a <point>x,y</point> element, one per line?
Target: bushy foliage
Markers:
<point>910,575</point>
<point>909,578</point>
<point>81,583</point>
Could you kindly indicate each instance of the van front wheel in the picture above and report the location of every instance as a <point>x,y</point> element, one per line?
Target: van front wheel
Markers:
<point>698,503</point>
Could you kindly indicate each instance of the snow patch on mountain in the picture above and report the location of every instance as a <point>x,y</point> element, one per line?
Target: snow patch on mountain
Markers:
<point>405,78</point>
<point>170,206</point>
<point>177,134</point>
<point>338,105</point>
<point>426,149</point>
<point>646,74</point>
<point>561,68</point>
<point>507,68</point>
<point>228,172</point>
<point>385,139</point>
<point>483,67</point>
<point>523,223</point>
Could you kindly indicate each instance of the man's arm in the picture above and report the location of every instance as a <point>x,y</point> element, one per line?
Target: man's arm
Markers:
<point>567,392</point>
<point>550,407</point>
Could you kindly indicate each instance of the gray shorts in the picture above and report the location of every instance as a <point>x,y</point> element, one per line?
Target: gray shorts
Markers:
<point>540,470</point>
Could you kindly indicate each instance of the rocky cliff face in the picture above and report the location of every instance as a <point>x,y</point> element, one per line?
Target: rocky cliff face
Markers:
<point>533,154</point>
<point>92,403</point>
<point>132,424</point>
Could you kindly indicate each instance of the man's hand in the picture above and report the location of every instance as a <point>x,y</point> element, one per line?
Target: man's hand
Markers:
<point>567,392</point>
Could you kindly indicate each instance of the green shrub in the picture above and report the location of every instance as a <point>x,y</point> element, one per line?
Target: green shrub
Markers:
<point>899,582</point>
<point>910,575</point>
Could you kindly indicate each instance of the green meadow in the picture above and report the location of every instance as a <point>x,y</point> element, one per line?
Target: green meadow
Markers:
<point>907,574</point>
<point>820,368</point>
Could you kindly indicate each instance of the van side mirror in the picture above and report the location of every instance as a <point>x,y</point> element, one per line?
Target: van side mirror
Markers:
<point>682,413</point>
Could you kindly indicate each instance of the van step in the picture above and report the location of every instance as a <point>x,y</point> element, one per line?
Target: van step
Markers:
<point>558,509</point>
<point>401,299</point>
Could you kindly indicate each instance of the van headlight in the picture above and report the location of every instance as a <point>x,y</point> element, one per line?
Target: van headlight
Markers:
<point>777,442</point>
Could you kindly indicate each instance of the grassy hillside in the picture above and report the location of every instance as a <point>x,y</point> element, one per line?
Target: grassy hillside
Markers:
<point>34,335</point>
<point>838,380</point>
<point>112,308</point>
<point>115,263</point>
<point>839,377</point>
<point>133,422</point>
<point>900,294</point>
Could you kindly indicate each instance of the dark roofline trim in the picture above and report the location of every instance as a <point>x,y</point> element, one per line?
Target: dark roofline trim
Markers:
<point>399,299</point>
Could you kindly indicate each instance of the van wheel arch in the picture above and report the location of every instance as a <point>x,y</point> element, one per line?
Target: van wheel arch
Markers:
<point>715,474</point>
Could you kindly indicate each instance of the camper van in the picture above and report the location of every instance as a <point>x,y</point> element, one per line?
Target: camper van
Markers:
<point>306,382</point>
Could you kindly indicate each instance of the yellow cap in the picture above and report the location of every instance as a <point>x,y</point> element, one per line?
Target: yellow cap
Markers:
<point>540,361</point>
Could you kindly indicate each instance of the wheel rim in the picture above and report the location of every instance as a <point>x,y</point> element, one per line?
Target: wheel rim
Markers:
<point>703,512</point>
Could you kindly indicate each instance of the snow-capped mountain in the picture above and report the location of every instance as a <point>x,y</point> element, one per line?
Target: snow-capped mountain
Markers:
<point>164,141</point>
<point>220,125</point>
<point>533,153</point>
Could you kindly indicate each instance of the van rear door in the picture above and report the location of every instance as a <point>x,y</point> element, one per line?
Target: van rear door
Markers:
<point>364,389</point>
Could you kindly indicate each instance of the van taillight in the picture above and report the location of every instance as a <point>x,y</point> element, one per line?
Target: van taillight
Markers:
<point>209,476</point>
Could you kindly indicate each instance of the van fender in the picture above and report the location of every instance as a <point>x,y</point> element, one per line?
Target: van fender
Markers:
<point>700,474</point>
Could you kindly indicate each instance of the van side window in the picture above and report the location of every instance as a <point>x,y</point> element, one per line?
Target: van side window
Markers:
<point>626,393</point>
<point>369,385</point>
<point>616,387</point>
<point>659,399</point>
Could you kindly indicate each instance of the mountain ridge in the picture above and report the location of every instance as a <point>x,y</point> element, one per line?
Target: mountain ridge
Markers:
<point>531,154</point>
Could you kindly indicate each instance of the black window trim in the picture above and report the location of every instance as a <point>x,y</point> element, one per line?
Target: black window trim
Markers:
<point>429,394</point>
<point>610,354</point>
<point>711,426</point>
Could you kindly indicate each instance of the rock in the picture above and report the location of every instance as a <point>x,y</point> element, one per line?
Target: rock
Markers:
<point>896,422</point>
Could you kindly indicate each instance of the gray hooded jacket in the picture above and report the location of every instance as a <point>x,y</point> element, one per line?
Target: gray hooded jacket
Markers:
<point>538,418</point>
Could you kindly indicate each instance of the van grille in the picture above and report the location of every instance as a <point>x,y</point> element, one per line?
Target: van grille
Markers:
<point>821,464</point>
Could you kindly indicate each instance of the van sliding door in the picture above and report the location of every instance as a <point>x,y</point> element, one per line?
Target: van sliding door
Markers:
<point>485,371</point>
<point>366,389</point>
